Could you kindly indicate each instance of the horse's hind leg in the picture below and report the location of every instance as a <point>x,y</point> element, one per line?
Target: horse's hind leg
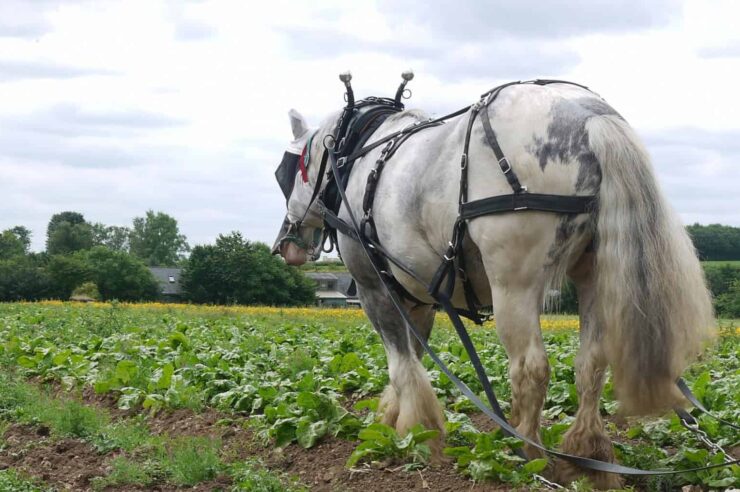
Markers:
<point>517,289</point>
<point>586,437</point>
<point>518,327</point>
<point>409,398</point>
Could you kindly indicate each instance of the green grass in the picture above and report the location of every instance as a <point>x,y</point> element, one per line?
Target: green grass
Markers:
<point>191,460</point>
<point>251,476</point>
<point>719,263</point>
<point>124,471</point>
<point>184,461</point>
<point>12,481</point>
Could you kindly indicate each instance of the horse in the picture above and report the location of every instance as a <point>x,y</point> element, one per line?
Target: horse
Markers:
<point>645,311</point>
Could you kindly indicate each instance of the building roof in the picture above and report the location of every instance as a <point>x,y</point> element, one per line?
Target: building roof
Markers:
<point>329,294</point>
<point>168,279</point>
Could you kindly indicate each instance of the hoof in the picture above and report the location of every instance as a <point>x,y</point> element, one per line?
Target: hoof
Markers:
<point>565,473</point>
<point>595,446</point>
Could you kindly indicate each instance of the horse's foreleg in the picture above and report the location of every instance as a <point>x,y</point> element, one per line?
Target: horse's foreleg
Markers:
<point>586,437</point>
<point>409,398</point>
<point>518,326</point>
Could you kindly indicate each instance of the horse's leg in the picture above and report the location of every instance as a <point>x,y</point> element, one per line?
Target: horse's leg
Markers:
<point>586,437</point>
<point>409,398</point>
<point>517,294</point>
<point>518,327</point>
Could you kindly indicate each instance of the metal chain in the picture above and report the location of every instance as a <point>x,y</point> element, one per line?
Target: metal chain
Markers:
<point>547,483</point>
<point>704,438</point>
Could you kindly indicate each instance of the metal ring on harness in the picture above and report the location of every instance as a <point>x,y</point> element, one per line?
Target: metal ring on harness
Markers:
<point>332,243</point>
<point>329,139</point>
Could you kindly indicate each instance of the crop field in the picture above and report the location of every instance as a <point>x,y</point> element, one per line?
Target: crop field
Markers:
<point>169,397</point>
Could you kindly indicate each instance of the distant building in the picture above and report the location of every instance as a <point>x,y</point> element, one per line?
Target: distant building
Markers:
<point>333,289</point>
<point>169,283</point>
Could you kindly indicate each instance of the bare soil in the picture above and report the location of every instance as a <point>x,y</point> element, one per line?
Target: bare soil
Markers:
<point>70,464</point>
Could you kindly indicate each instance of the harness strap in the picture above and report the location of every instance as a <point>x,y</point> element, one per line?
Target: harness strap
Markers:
<point>506,168</point>
<point>331,219</point>
<point>684,388</point>
<point>528,201</point>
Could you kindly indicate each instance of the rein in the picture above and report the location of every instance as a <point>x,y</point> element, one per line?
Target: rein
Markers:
<point>442,285</point>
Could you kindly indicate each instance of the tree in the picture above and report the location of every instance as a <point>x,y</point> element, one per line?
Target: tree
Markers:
<point>156,239</point>
<point>14,242</point>
<point>120,275</point>
<point>67,272</point>
<point>112,237</point>
<point>24,278</point>
<point>716,241</point>
<point>235,270</point>
<point>68,232</point>
<point>23,235</point>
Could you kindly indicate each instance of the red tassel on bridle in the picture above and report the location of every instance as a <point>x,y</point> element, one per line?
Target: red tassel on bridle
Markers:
<point>302,165</point>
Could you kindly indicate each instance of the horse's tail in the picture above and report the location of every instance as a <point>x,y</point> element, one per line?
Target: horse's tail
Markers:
<point>651,296</point>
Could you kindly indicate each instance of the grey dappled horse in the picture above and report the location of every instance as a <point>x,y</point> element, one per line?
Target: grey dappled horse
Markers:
<point>644,307</point>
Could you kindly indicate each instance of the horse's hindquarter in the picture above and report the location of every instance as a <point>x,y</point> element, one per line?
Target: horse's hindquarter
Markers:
<point>542,132</point>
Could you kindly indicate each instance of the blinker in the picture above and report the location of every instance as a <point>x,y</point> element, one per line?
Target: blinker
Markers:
<point>285,173</point>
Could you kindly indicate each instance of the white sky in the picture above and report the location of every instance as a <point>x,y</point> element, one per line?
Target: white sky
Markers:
<point>113,108</point>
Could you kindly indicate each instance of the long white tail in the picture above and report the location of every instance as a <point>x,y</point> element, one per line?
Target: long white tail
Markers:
<point>652,298</point>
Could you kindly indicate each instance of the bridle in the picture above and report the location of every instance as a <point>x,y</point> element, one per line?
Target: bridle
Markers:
<point>292,232</point>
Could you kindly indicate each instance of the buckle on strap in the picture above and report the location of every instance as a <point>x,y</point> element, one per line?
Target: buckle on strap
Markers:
<point>505,165</point>
<point>341,162</point>
<point>450,253</point>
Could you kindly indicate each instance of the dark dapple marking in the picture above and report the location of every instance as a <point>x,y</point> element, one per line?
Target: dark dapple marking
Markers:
<point>567,139</point>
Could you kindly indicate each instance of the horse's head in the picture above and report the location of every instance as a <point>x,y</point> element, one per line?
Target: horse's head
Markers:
<point>301,235</point>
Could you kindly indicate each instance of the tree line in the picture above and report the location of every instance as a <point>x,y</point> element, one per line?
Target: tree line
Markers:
<point>718,246</point>
<point>111,262</point>
<point>716,242</point>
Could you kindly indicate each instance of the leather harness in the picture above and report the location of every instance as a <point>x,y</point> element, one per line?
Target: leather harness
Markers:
<point>354,128</point>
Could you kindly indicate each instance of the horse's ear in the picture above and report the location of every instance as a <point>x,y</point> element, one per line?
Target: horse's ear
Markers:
<point>297,123</point>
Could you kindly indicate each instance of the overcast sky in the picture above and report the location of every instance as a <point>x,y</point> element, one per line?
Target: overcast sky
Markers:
<point>113,108</point>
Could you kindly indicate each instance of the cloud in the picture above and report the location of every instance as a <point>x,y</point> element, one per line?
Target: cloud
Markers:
<point>73,121</point>
<point>508,58</point>
<point>488,20</point>
<point>191,30</point>
<point>76,137</point>
<point>698,171</point>
<point>207,192</point>
<point>726,51</point>
<point>22,19</point>
<point>15,70</point>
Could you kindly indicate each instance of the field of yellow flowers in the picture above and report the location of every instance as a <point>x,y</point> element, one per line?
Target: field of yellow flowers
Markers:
<point>547,322</point>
